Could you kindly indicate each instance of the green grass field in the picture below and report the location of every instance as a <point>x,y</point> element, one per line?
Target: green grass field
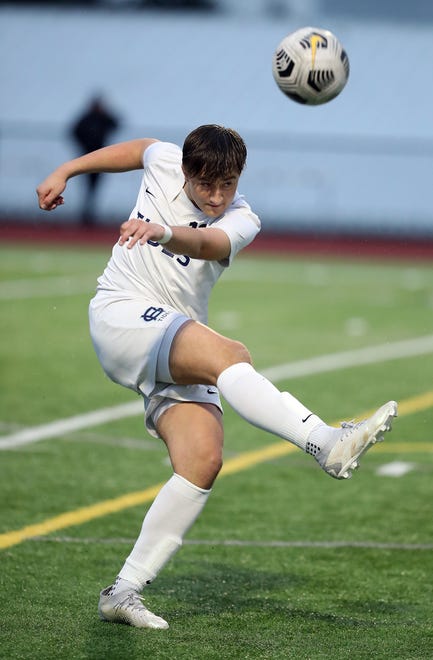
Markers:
<point>284,562</point>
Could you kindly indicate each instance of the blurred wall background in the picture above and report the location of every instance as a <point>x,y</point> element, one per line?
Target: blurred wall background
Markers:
<point>360,165</point>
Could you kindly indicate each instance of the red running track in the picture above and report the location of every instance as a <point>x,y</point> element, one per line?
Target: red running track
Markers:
<point>344,247</point>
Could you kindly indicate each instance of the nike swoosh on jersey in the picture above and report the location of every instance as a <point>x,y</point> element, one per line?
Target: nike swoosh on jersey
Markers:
<point>307,417</point>
<point>149,192</point>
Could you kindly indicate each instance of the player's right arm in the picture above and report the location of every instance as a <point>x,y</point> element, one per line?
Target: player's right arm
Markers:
<point>121,157</point>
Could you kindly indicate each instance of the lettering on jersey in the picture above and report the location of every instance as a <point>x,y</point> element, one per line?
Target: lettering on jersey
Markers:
<point>181,260</point>
<point>195,224</point>
<point>154,314</point>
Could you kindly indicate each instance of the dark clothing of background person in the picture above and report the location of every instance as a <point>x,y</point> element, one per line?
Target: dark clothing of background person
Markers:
<point>91,132</point>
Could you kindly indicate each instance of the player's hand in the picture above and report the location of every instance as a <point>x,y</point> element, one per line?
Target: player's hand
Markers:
<point>50,192</point>
<point>138,231</point>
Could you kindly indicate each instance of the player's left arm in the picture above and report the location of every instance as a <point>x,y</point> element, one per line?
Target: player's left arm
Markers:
<point>209,243</point>
<point>121,157</point>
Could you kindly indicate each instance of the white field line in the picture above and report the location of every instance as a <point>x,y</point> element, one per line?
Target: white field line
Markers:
<point>320,364</point>
<point>68,285</point>
<point>315,273</point>
<point>375,545</point>
<point>69,424</point>
<point>395,469</point>
<point>359,357</point>
<point>42,287</point>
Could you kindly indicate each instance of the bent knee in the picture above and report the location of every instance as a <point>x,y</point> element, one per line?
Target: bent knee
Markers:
<point>209,461</point>
<point>215,464</point>
<point>205,470</point>
<point>213,469</point>
<point>239,353</point>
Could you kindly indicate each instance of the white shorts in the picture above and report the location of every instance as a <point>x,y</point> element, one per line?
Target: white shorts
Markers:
<point>170,395</point>
<point>132,339</point>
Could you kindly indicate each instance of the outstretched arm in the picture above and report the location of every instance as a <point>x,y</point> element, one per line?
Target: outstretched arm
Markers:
<point>121,157</point>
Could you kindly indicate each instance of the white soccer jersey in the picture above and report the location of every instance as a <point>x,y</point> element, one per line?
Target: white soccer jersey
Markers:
<point>152,271</point>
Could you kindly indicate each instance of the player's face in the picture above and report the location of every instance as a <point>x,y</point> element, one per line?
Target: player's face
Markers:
<point>211,197</point>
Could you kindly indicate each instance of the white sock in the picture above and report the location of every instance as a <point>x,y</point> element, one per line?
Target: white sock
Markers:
<point>258,401</point>
<point>172,513</point>
<point>322,438</point>
<point>122,585</point>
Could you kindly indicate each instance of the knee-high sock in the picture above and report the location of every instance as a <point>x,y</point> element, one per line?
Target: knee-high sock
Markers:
<point>172,513</point>
<point>258,401</point>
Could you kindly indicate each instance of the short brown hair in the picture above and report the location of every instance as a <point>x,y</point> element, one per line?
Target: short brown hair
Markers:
<point>214,152</point>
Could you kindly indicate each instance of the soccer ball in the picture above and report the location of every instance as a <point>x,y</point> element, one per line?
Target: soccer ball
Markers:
<point>310,66</point>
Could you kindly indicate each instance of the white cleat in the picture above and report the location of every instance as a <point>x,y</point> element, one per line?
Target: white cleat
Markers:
<point>354,440</point>
<point>127,607</point>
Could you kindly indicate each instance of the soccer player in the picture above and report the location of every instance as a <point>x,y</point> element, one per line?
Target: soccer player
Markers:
<point>148,326</point>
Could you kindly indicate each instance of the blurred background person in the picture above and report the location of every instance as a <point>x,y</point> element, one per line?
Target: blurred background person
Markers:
<point>91,131</point>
